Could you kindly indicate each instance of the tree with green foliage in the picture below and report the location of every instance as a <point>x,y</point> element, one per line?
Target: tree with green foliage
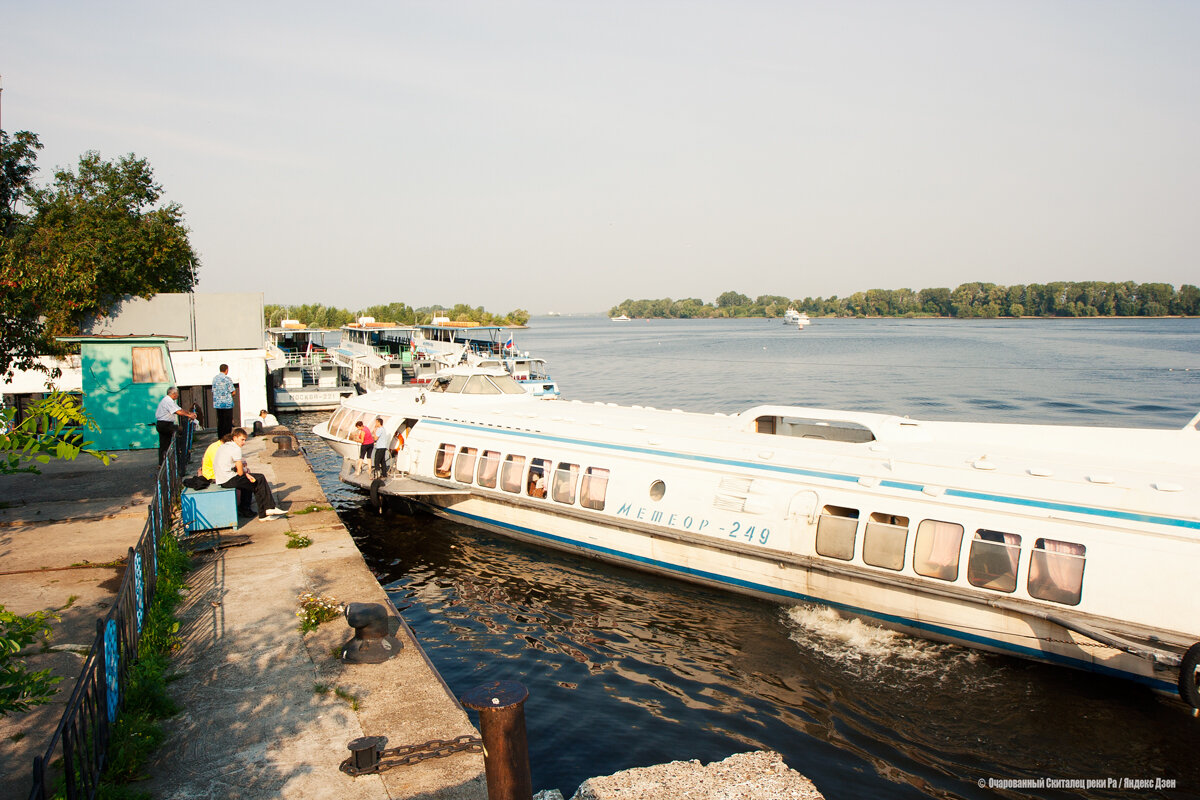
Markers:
<point>52,427</point>
<point>21,688</point>
<point>92,237</point>
<point>319,316</point>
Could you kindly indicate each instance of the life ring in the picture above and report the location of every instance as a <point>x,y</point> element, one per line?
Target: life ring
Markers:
<point>1187,676</point>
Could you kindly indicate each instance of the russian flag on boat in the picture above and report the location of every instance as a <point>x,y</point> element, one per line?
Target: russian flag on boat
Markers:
<point>509,344</point>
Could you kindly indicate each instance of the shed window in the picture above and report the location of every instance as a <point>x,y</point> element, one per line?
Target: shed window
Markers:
<point>464,468</point>
<point>562,489</point>
<point>443,461</point>
<point>593,488</point>
<point>510,476</point>
<point>935,555</point>
<point>884,541</point>
<point>489,466</point>
<point>1056,571</point>
<point>835,532</point>
<point>148,365</point>
<point>992,563</point>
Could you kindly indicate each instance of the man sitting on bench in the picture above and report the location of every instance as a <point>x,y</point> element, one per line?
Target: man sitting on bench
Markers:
<point>230,471</point>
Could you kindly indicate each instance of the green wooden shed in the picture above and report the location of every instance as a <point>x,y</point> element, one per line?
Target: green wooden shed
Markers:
<point>124,379</point>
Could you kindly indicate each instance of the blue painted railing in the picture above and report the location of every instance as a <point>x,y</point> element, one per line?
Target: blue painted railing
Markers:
<point>78,749</point>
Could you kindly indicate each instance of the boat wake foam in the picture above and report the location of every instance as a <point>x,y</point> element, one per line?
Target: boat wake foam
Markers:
<point>868,650</point>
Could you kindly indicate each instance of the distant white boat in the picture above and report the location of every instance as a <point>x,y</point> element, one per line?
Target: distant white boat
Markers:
<point>621,318</point>
<point>797,318</point>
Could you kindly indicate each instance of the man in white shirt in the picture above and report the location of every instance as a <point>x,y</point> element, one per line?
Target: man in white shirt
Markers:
<point>230,471</point>
<point>164,420</point>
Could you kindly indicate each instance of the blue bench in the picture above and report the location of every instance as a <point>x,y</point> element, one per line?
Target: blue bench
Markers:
<point>209,509</point>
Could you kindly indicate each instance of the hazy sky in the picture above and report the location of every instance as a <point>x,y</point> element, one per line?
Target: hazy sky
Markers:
<point>568,155</point>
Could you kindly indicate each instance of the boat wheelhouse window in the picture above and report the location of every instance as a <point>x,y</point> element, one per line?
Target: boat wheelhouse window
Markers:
<point>593,488</point>
<point>835,532</point>
<point>535,484</point>
<point>148,365</point>
<point>479,384</point>
<point>884,541</point>
<point>451,384</point>
<point>835,430</point>
<point>562,488</point>
<point>935,555</point>
<point>992,563</point>
<point>464,467</point>
<point>507,384</point>
<point>443,461</point>
<point>1056,571</point>
<point>510,476</point>
<point>341,422</point>
<point>489,466</point>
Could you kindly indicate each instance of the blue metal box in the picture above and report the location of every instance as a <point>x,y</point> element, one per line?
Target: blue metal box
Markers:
<point>214,507</point>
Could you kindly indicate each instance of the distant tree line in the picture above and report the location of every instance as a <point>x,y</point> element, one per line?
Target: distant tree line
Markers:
<point>969,300</point>
<point>320,316</point>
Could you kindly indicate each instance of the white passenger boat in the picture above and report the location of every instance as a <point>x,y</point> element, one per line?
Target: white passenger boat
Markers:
<point>382,355</point>
<point>303,374</point>
<point>1071,545</point>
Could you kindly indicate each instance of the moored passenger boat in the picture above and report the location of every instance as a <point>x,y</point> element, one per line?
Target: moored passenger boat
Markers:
<point>304,376</point>
<point>1072,545</point>
<point>383,355</point>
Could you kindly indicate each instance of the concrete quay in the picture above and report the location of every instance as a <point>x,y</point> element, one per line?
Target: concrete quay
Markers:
<point>266,711</point>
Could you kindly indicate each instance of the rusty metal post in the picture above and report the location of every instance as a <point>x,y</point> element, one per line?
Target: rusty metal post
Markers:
<point>501,707</point>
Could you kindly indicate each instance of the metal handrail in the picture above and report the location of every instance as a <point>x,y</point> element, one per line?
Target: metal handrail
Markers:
<point>84,731</point>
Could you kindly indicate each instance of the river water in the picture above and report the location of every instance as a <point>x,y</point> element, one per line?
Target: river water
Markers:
<point>626,669</point>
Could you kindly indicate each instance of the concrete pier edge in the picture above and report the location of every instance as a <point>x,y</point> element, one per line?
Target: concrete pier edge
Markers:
<point>265,711</point>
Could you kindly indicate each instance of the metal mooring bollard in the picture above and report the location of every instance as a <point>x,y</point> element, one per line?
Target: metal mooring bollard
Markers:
<point>283,445</point>
<point>372,644</point>
<point>364,751</point>
<point>501,707</point>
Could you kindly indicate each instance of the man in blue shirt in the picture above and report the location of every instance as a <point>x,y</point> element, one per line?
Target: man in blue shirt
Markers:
<point>223,392</point>
<point>164,420</point>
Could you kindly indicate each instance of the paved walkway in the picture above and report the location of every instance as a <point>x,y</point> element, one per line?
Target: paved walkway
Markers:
<point>267,711</point>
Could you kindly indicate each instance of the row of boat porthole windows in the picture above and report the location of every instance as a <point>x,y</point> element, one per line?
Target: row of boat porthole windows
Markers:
<point>568,483</point>
<point>1055,568</point>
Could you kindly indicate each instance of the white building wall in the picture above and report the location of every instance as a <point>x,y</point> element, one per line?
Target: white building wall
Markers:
<point>247,368</point>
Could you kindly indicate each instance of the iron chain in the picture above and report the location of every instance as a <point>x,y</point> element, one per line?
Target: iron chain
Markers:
<point>408,754</point>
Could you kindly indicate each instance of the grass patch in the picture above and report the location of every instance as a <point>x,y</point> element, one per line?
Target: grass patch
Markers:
<point>138,732</point>
<point>297,540</point>
<point>310,509</point>
<point>315,610</point>
<point>345,695</point>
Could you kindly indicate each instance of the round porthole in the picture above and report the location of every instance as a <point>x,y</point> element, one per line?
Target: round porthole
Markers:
<point>657,490</point>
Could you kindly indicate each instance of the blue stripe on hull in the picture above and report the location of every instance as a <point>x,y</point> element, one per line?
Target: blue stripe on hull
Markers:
<point>713,577</point>
<point>832,476</point>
